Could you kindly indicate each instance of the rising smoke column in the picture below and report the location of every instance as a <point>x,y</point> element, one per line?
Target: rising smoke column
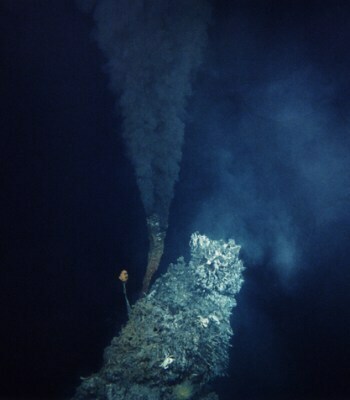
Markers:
<point>153,48</point>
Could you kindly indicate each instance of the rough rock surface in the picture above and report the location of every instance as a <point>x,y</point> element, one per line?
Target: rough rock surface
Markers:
<point>177,338</point>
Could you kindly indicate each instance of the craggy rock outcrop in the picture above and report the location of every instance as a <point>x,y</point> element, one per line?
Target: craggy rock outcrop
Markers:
<point>177,338</point>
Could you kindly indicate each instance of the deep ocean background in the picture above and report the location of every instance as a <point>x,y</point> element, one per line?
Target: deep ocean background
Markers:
<point>71,214</point>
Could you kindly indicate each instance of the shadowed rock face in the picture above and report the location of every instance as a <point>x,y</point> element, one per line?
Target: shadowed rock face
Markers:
<point>178,335</point>
<point>156,237</point>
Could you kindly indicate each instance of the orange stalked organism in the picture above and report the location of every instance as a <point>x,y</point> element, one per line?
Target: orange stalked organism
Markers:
<point>124,276</point>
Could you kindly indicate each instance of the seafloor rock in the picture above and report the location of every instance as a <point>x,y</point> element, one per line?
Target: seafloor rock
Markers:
<point>156,237</point>
<point>177,338</point>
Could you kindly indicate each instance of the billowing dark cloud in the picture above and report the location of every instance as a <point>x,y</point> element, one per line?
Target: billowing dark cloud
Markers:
<point>153,47</point>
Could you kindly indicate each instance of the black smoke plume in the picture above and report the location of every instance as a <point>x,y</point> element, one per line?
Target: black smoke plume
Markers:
<point>153,47</point>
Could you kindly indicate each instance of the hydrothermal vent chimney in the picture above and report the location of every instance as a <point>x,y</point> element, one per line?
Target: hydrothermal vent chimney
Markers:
<point>156,237</point>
